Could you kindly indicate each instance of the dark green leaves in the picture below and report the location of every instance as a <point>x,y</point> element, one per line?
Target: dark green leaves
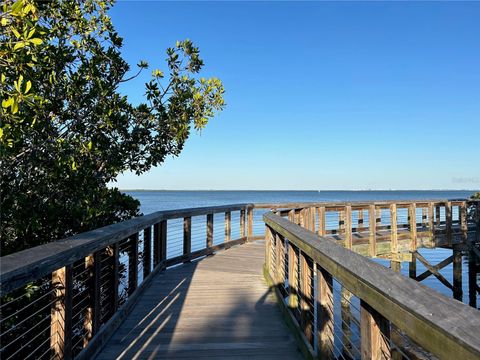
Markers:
<point>65,130</point>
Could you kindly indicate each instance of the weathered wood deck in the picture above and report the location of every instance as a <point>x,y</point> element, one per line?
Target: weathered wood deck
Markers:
<point>217,307</point>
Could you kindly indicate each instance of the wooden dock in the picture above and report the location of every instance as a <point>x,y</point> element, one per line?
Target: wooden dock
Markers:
<point>189,283</point>
<point>217,307</point>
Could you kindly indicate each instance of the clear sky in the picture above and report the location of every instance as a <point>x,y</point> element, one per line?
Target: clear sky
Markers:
<point>321,95</point>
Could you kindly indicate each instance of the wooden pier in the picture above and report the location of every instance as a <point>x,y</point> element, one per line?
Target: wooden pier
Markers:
<point>189,283</point>
<point>218,307</point>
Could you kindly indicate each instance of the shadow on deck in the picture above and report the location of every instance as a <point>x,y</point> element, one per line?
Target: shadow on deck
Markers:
<point>219,306</point>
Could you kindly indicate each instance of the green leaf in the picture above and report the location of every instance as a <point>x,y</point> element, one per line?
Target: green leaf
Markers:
<point>1,133</point>
<point>142,64</point>
<point>89,145</point>
<point>6,103</point>
<point>36,41</point>
<point>18,84</point>
<point>19,45</point>
<point>16,33</point>
<point>157,73</point>
<point>28,8</point>
<point>28,86</point>
<point>14,106</point>
<point>30,34</point>
<point>17,6</point>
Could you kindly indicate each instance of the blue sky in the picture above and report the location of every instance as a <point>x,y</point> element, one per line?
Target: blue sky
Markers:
<point>320,95</point>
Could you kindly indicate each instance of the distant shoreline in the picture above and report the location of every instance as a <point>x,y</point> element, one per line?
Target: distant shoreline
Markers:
<point>320,191</point>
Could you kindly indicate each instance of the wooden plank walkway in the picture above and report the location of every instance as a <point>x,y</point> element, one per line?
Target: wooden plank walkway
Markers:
<point>217,307</point>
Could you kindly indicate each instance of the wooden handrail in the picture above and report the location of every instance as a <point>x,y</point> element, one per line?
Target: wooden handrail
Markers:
<point>24,266</point>
<point>95,258</point>
<point>84,273</point>
<point>442,326</point>
<point>359,204</point>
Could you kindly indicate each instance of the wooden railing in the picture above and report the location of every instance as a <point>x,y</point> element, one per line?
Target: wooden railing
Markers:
<point>387,228</point>
<point>63,299</point>
<point>396,316</point>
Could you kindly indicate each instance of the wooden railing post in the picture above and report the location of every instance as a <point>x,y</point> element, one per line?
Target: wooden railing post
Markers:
<point>61,313</point>
<point>92,320</point>
<point>437,215</point>
<point>304,219</point>
<point>463,221</point>
<point>250,222</point>
<point>412,212</point>
<point>360,220</point>
<point>313,212</point>
<point>292,277</point>
<point>209,230</point>
<point>341,222</point>
<point>448,221</point>
<point>187,237</point>
<point>301,218</point>
<point>147,251</point>
<point>393,228</point>
<point>346,316</point>
<point>228,225</point>
<point>348,227</point>
<point>424,217</point>
<point>394,333</point>
<point>133,264</point>
<point>242,224</point>
<point>374,333</point>
<point>268,249</point>
<point>378,215</point>
<point>325,313</point>
<point>372,224</point>
<point>280,260</point>
<point>291,216</point>
<point>305,294</point>
<point>431,222</point>
<point>297,216</point>
<point>321,220</point>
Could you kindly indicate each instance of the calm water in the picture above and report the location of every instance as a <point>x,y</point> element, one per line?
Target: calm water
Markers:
<point>152,201</point>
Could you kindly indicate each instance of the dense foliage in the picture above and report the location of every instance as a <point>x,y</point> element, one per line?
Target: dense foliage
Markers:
<point>65,129</point>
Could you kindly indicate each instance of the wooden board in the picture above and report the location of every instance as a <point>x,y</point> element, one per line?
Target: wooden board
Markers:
<point>217,307</point>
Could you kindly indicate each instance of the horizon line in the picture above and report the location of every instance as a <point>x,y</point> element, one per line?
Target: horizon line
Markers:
<point>303,190</point>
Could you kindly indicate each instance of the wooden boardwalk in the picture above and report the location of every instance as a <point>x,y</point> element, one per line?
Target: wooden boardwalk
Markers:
<point>217,307</point>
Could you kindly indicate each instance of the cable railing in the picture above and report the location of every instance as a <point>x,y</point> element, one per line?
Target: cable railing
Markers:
<point>391,229</point>
<point>63,299</point>
<point>346,306</point>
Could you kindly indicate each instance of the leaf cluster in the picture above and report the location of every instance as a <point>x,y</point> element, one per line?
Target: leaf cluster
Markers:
<point>65,129</point>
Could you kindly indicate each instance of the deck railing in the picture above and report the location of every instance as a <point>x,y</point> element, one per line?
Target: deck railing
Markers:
<point>389,315</point>
<point>380,228</point>
<point>62,300</point>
